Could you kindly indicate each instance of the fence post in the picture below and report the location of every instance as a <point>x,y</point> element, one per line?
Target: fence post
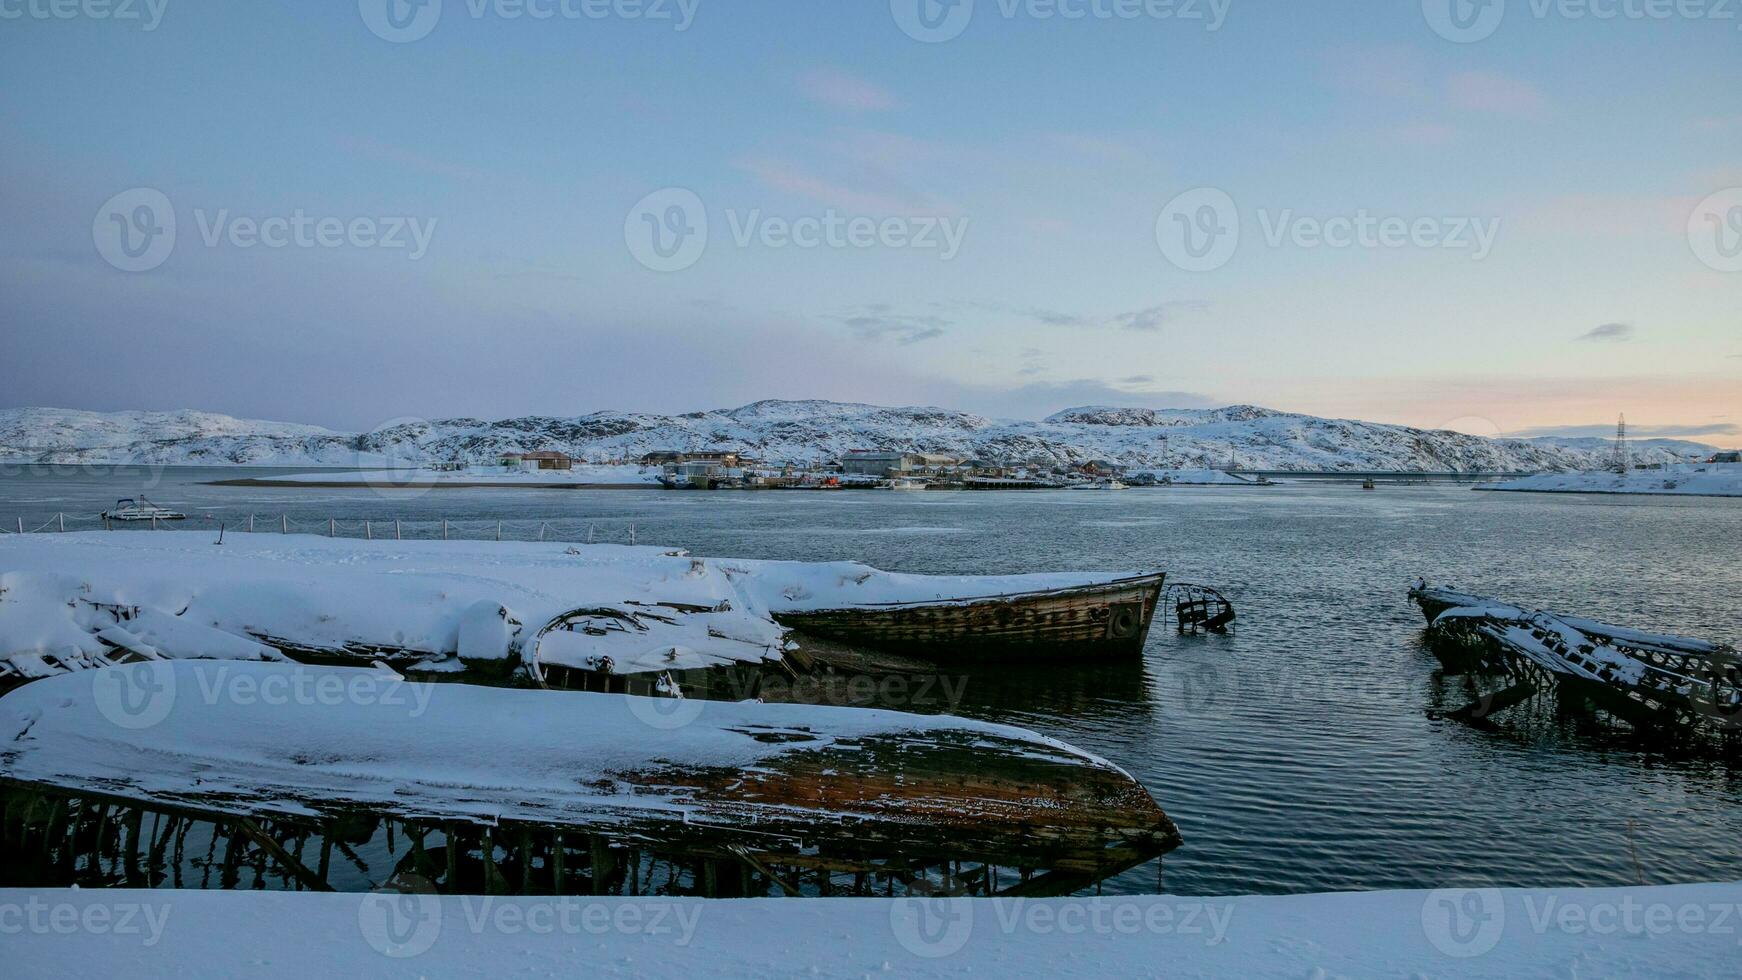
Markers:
<point>330,527</point>
<point>541,530</point>
<point>284,523</point>
<point>498,530</point>
<point>367,533</point>
<point>632,535</point>
<point>250,523</point>
<point>444,529</point>
<point>21,524</point>
<point>396,530</point>
<point>153,523</point>
<point>62,517</point>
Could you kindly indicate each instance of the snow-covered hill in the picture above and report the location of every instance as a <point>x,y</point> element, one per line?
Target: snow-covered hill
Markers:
<point>810,432</point>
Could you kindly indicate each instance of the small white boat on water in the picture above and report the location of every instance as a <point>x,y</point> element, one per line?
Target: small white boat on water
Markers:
<point>140,509</point>
<point>906,483</point>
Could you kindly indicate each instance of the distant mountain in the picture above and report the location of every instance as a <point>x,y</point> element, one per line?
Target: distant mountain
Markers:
<point>811,432</point>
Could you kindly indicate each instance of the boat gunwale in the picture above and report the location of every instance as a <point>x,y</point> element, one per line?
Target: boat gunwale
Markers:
<point>1143,579</point>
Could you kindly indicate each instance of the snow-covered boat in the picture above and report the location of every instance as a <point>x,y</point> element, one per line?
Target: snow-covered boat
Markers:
<point>907,484</point>
<point>1654,678</point>
<point>140,509</point>
<point>595,617</point>
<point>805,786</point>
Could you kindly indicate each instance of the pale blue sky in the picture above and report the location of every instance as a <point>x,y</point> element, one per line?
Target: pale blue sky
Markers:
<point>1051,145</point>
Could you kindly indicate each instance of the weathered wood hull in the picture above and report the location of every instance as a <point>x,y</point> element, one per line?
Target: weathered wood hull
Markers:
<point>1110,619</point>
<point>697,778</point>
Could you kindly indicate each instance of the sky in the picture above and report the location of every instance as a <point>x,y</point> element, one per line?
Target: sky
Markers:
<point>1506,216</point>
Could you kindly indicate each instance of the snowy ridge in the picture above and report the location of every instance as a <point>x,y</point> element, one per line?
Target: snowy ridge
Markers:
<point>813,432</point>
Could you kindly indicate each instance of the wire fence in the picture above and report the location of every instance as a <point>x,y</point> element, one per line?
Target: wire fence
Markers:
<point>570,531</point>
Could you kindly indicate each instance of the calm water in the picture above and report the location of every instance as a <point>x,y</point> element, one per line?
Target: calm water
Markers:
<point>1295,754</point>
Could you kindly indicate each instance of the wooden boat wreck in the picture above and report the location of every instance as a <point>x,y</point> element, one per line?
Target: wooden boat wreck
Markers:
<point>1647,678</point>
<point>1077,622</point>
<point>780,790</point>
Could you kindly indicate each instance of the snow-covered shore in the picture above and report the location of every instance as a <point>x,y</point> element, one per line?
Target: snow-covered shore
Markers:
<point>1666,931</point>
<point>583,474</point>
<point>812,432</point>
<point>1692,480</point>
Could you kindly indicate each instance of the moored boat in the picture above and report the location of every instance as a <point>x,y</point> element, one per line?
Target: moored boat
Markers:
<point>1109,618</point>
<point>140,509</point>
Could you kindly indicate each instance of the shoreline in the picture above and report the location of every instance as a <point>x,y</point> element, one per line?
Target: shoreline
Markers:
<point>1613,493</point>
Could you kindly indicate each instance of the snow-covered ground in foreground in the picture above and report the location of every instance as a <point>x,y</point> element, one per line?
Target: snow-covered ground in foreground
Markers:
<point>1693,479</point>
<point>1666,931</point>
<point>584,474</point>
<point>810,432</point>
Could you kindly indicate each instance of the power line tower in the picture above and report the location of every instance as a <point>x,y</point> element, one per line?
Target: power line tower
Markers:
<point>1623,455</point>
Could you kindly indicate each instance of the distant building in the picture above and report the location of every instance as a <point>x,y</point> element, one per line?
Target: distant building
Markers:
<point>669,457</point>
<point>544,460</point>
<point>1732,457</point>
<point>881,462</point>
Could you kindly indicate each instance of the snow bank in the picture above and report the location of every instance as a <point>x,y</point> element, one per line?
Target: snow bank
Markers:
<point>583,474</point>
<point>1678,930</point>
<point>1694,479</point>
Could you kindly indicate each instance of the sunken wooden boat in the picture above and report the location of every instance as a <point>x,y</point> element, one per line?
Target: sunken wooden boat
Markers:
<point>771,784</point>
<point>1104,619</point>
<point>1649,678</point>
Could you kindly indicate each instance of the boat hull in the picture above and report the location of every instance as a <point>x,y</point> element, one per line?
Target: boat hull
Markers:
<point>1110,619</point>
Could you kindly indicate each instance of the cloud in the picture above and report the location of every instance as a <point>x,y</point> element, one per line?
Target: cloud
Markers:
<point>879,321</point>
<point>1610,332</point>
<point>1147,319</point>
<point>839,90</point>
<point>1160,315</point>
<point>1633,431</point>
<point>1493,92</point>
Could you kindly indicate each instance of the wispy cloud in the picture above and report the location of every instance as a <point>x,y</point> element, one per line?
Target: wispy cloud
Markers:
<point>880,321</point>
<point>1148,318</point>
<point>1609,332</point>
<point>1494,92</point>
<point>839,90</point>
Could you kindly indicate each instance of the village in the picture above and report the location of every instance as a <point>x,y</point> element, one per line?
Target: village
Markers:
<point>860,469</point>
